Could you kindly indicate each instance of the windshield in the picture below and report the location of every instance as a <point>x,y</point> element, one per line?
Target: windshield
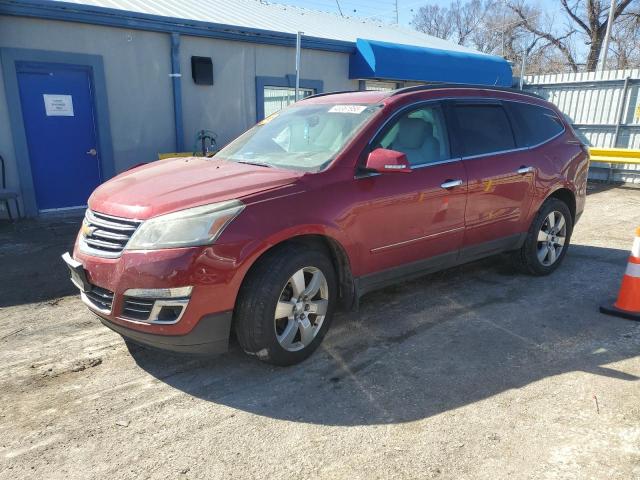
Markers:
<point>301,137</point>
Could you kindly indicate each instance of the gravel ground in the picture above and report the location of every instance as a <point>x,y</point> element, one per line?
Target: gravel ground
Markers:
<point>473,373</point>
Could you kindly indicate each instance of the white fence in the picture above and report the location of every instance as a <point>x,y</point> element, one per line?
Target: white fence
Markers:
<point>603,106</point>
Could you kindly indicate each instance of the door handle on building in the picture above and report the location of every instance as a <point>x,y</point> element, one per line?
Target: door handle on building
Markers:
<point>523,170</point>
<point>451,184</point>
<point>93,152</point>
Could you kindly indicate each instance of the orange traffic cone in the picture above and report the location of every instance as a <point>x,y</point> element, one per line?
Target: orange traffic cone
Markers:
<point>628,303</point>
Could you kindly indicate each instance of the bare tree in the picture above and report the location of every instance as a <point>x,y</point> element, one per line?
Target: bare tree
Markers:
<point>434,20</point>
<point>490,27</point>
<point>625,42</point>
<point>460,23</point>
<point>469,17</point>
<point>516,28</point>
<point>589,17</point>
<point>559,41</point>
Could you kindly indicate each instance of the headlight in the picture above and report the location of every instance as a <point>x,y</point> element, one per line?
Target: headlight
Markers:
<point>186,228</point>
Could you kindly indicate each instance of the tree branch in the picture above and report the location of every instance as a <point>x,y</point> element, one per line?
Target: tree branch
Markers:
<point>619,9</point>
<point>575,17</point>
<point>547,36</point>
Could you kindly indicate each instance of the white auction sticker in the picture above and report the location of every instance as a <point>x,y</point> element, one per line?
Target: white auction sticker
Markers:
<point>347,109</point>
<point>58,105</point>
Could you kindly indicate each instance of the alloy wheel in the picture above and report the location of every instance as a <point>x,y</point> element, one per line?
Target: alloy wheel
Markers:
<point>301,308</point>
<point>551,238</point>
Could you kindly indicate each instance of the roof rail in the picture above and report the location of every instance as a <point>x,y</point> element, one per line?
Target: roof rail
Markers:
<point>324,94</point>
<point>435,86</point>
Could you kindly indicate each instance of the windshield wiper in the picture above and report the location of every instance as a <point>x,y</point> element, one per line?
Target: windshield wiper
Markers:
<point>259,164</point>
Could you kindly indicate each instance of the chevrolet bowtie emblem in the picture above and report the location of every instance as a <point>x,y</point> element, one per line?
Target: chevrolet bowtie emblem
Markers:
<point>87,230</point>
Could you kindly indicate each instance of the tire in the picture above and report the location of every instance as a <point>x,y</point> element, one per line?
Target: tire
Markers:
<point>531,258</point>
<point>133,347</point>
<point>275,282</point>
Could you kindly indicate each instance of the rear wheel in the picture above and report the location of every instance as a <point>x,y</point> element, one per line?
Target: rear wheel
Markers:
<point>547,240</point>
<point>285,305</point>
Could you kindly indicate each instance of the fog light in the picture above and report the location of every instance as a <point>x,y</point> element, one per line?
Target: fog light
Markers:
<point>169,313</point>
<point>155,305</point>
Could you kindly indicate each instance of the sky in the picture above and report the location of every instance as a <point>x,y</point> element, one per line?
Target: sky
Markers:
<point>381,9</point>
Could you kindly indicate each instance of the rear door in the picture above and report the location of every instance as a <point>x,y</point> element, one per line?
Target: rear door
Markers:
<point>500,176</point>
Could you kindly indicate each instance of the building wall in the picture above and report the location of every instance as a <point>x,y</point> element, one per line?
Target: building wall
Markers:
<point>229,106</point>
<point>137,65</point>
<point>137,68</point>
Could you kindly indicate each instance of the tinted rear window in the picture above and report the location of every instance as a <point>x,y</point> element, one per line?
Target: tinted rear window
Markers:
<point>484,128</point>
<point>536,124</point>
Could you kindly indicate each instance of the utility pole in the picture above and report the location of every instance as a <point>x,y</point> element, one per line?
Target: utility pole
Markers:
<point>607,36</point>
<point>522,67</point>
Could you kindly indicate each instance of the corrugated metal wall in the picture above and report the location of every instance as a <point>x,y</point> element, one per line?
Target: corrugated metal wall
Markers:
<point>604,106</point>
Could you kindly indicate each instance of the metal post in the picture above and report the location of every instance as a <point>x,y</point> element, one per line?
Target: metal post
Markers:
<point>607,36</point>
<point>298,48</point>
<point>522,68</point>
<point>620,115</point>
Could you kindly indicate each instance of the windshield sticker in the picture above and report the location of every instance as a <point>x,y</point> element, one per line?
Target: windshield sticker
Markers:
<point>347,109</point>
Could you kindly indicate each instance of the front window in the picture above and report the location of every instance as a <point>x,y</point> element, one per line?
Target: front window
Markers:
<point>301,137</point>
<point>420,134</point>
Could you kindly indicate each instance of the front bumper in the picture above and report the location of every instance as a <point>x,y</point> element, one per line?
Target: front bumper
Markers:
<point>204,320</point>
<point>208,337</point>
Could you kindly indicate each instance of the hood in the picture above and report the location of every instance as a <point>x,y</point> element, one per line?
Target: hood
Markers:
<point>169,185</point>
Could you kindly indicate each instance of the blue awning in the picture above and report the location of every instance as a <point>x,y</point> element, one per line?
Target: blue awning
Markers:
<point>391,61</point>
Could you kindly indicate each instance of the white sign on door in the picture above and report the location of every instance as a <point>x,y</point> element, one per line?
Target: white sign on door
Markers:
<point>58,105</point>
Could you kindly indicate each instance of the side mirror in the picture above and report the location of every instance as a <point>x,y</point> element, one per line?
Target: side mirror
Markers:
<point>383,160</point>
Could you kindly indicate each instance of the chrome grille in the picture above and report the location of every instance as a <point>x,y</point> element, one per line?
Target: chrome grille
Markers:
<point>100,298</point>
<point>104,235</point>
<point>137,308</point>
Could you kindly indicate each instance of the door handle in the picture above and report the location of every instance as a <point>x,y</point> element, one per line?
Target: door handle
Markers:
<point>451,184</point>
<point>93,152</point>
<point>523,170</point>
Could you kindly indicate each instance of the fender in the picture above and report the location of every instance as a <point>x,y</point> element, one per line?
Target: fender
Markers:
<point>246,254</point>
<point>563,184</point>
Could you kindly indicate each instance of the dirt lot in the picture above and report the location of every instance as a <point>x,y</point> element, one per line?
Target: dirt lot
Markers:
<point>473,373</point>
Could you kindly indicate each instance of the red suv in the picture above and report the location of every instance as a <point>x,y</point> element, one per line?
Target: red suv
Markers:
<point>319,203</point>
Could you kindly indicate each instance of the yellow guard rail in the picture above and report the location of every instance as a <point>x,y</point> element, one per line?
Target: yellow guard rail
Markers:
<point>615,155</point>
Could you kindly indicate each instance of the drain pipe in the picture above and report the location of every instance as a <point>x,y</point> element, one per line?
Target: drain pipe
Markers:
<point>298,48</point>
<point>177,91</point>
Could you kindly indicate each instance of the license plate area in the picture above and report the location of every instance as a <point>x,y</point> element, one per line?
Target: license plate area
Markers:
<point>77,273</point>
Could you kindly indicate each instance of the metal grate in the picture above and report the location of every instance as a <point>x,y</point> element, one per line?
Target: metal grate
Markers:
<point>104,235</point>
<point>100,298</point>
<point>137,308</point>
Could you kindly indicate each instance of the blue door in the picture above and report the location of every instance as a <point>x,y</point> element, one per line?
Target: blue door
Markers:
<point>59,120</point>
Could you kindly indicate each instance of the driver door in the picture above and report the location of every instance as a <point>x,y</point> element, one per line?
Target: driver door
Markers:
<point>413,222</point>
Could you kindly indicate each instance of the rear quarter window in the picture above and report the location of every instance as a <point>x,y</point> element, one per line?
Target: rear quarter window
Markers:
<point>534,124</point>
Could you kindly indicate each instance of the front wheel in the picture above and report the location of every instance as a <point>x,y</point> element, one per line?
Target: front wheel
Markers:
<point>547,240</point>
<point>285,305</point>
